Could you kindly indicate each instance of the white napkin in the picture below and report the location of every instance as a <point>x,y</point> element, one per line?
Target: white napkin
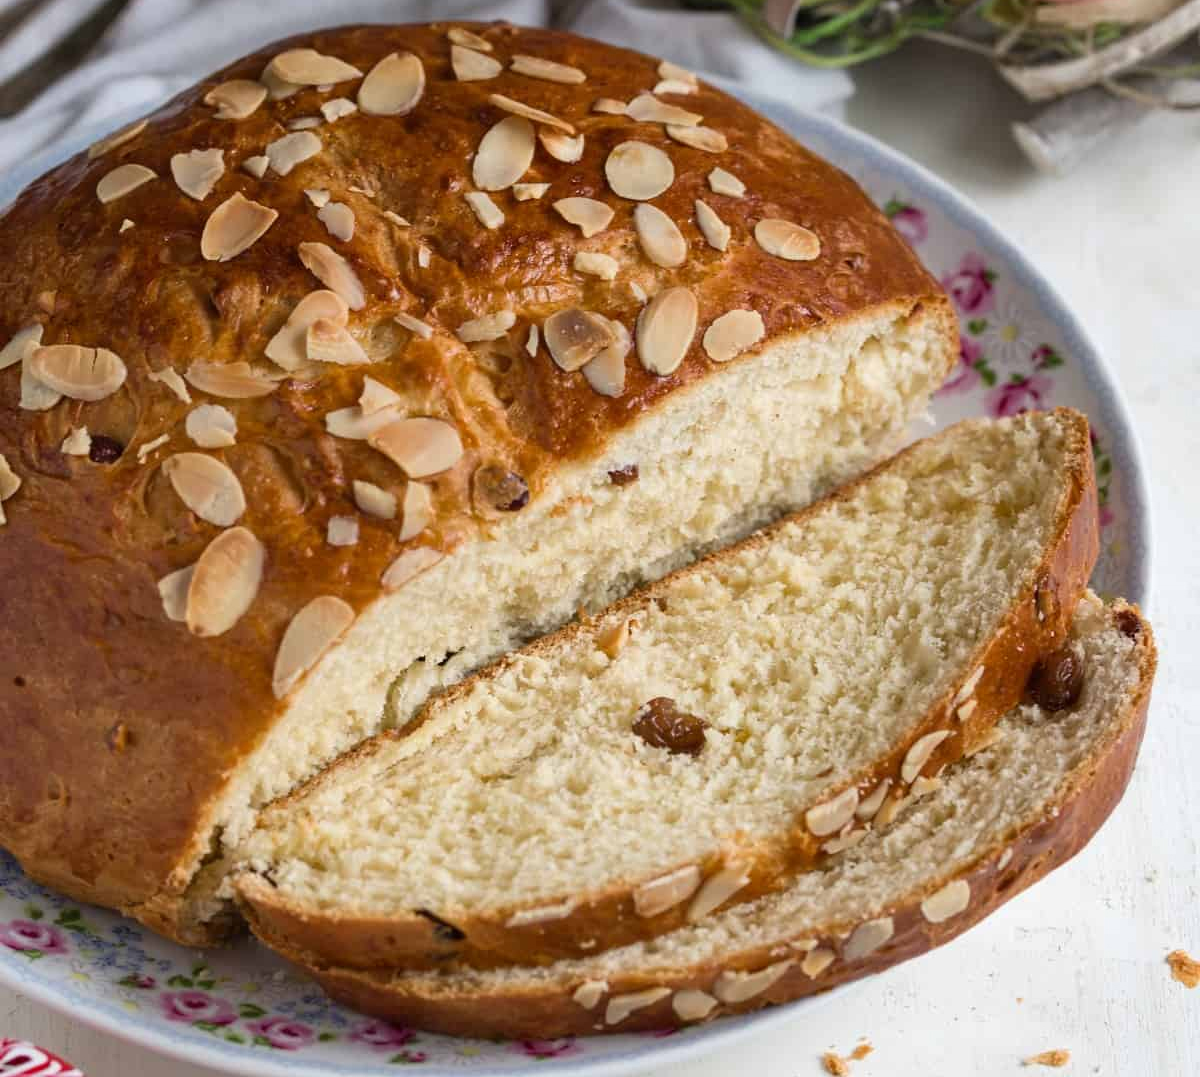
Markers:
<point>157,47</point>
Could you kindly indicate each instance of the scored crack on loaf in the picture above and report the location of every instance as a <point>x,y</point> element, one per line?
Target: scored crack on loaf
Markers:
<point>287,417</point>
<point>709,736</point>
<point>992,825</point>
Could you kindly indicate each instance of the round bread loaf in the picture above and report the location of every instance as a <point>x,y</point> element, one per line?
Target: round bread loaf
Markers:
<point>367,358</point>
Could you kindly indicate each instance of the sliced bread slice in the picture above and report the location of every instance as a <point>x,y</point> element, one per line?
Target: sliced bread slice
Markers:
<point>696,743</point>
<point>992,825</point>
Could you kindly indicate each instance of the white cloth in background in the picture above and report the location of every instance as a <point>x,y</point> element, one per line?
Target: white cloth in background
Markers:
<point>157,47</point>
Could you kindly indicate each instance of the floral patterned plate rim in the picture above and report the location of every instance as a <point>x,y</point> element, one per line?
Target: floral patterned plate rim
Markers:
<point>243,1011</point>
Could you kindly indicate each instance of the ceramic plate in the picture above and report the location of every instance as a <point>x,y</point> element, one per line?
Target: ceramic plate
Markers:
<point>243,1011</point>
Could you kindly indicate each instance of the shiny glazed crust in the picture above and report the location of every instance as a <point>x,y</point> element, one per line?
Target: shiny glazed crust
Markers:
<point>1090,793</point>
<point>1037,623</point>
<point>119,729</point>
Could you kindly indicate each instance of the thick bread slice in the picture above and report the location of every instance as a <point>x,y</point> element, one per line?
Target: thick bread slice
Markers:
<point>993,824</point>
<point>869,640</point>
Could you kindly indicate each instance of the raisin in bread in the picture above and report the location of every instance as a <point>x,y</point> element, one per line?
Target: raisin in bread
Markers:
<point>1027,800</point>
<point>708,736</point>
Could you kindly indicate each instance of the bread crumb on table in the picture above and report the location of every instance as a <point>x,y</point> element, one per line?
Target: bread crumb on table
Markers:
<point>1055,1058</point>
<point>838,1066</point>
<point>1184,968</point>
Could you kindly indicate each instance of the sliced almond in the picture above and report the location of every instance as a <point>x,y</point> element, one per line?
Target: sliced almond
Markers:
<point>950,900</point>
<point>318,196</point>
<point>374,500</point>
<point>535,114</point>
<point>257,165</point>
<point>117,138</point>
<point>606,373</point>
<point>288,347</point>
<point>409,565</point>
<point>665,329</point>
<point>964,711</point>
<point>35,394</point>
<point>342,531</point>
<point>646,108</point>
<point>121,180</point>
<point>672,86</point>
<point>309,634</point>
<point>589,993</point>
<point>733,987</point>
<point>277,89</point>
<point>211,426</point>
<point>234,226</point>
<point>332,270</point>
<point>171,379</point>
<point>376,396</point>
<point>524,192</point>
<point>717,889</point>
<point>418,510</point>
<point>669,70</point>
<point>287,152</point>
<point>816,961</point>
<point>147,447</point>
<point>419,446</point>
<point>206,486</point>
<point>414,325</point>
<point>638,170</point>
<point>726,183</point>
<point>393,86</point>
<point>575,336</point>
<point>967,688</point>
<point>715,231</point>
<point>659,236</point>
<point>79,373</point>
<point>472,66</point>
<point>596,264</point>
<point>396,219</point>
<point>338,108</point>
<point>487,212</point>
<point>504,155</point>
<point>830,817</point>
<point>692,1005</point>
<point>327,342</point>
<point>787,240</point>
<point>234,381</point>
<point>613,639</point>
<point>307,67</point>
<point>867,938</point>
<point>543,914</point>
<point>920,752</point>
<point>21,345</point>
<point>173,590</point>
<point>225,582</point>
<point>338,219</point>
<point>10,482</point>
<point>423,256</point>
<point>667,891</point>
<point>870,804</point>
<point>236,99</point>
<point>562,147</point>
<point>196,173</point>
<point>609,105</point>
<point>732,333</point>
<point>621,1006</point>
<point>590,215</point>
<point>488,327</point>
<point>699,138</point>
<point>532,340</point>
<point>462,36</point>
<point>304,123</point>
<point>77,443</point>
<point>353,425</point>
<point>537,68</point>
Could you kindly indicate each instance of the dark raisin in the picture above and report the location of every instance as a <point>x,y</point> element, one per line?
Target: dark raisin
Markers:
<point>442,930</point>
<point>1128,623</point>
<point>500,490</point>
<point>117,738</point>
<point>105,450</point>
<point>661,724</point>
<point>1057,680</point>
<point>623,476</point>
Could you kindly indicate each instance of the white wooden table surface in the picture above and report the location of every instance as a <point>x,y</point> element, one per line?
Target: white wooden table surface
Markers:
<point>1078,962</point>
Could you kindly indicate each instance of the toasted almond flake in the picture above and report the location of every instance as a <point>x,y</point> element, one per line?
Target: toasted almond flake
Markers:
<point>726,183</point>
<point>234,381</point>
<point>537,68</point>
<point>376,396</point>
<point>699,138</point>
<point>236,99</point>
<point>487,212</point>
<point>595,264</point>
<point>126,224</point>
<point>10,483</point>
<point>637,291</point>
<point>692,1005</point>
<point>732,987</point>
<point>609,105</point>
<point>78,442</point>
<point>234,226</point>
<point>542,915</point>
<point>342,531</point>
<point>288,347</point>
<point>459,35</point>
<point>562,147</point>
<point>1055,1059</point>
<point>504,155</point>
<point>732,333</point>
<point>206,486</point>
<point>918,755</point>
<point>225,582</point>
<point>196,173</point>
<point>277,89</point>
<point>318,196</point>
<point>257,165</point>
<point>846,840</point>
<point>665,329</point>
<point>309,634</point>
<point>606,373</point>
<point>828,818</point>
<point>307,67</point>
<point>337,108</point>
<point>717,889</point>
<point>575,336</point>
<point>304,123</point>
<point>21,345</point>
<point>374,500</point>
<point>211,426</point>
<point>638,170</point>
<point>867,938</point>
<point>409,565</point>
<point>117,138</point>
<point>173,590</point>
<point>816,961</point>
<point>870,804</point>
<point>121,180</point>
<point>325,341</point>
<point>646,108</point>
<point>332,270</point>
<point>524,192</point>
<point>393,86</point>
<point>414,325</point>
<point>659,236</point>
<point>417,510</point>
<point>589,993</point>
<point>667,891</point>
<point>35,396</point>
<point>147,447</point>
<point>964,711</point>
<point>396,219</point>
<point>79,373</point>
<point>472,66</point>
<point>673,86</point>
<point>590,215</point>
<point>535,114</point>
<point>787,240</point>
<point>669,70</point>
<point>366,192</point>
<point>338,219</point>
<point>715,231</point>
<point>488,327</point>
<point>419,446</point>
<point>423,256</point>
<point>287,152</point>
<point>621,1006</point>
<point>950,900</point>
<point>967,688</point>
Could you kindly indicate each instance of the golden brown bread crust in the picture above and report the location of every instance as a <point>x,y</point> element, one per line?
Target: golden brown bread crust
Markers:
<point>548,1010</point>
<point>118,729</point>
<point>1037,623</point>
